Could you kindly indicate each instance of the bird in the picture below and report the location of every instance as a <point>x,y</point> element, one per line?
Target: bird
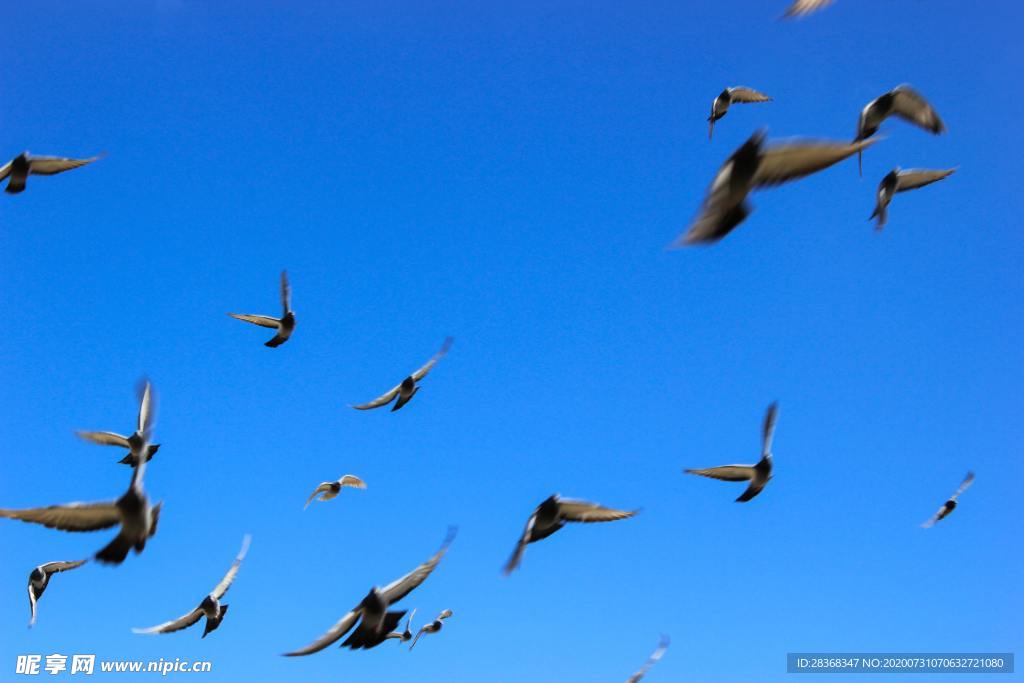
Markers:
<point>134,442</point>
<point>409,386</point>
<point>375,621</point>
<point>432,627</point>
<point>284,325</point>
<point>904,102</point>
<point>331,489</point>
<point>132,511</point>
<point>211,607</point>
<point>552,514</point>
<point>406,635</point>
<point>39,579</point>
<point>753,166</point>
<point>738,93</point>
<point>759,474</point>
<point>802,7</point>
<point>897,180</point>
<point>651,661</point>
<point>22,166</point>
<point>950,504</point>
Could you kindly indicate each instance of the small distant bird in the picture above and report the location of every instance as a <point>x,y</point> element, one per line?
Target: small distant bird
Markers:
<point>375,621</point>
<point>331,489</point>
<point>284,325</point>
<point>432,627</point>
<point>802,7</point>
<point>901,181</point>
<point>132,511</point>
<point>22,166</point>
<point>740,94</point>
<point>406,635</point>
<point>210,607</point>
<point>950,504</point>
<point>39,579</point>
<point>408,387</point>
<point>904,102</point>
<point>134,442</point>
<point>755,166</point>
<point>759,474</point>
<point>651,661</point>
<point>552,514</point>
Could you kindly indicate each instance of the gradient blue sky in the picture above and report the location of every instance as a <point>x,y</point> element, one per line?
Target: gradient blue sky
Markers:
<point>509,174</point>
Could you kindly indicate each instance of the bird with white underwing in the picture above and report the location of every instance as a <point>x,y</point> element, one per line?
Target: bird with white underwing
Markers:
<point>133,443</point>
<point>22,166</point>
<point>39,579</point>
<point>330,489</point>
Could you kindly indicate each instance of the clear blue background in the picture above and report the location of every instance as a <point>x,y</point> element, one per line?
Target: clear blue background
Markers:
<point>510,173</point>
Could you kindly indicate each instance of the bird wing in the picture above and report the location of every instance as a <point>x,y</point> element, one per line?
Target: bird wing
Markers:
<point>726,472</point>
<point>145,391</point>
<point>353,481</point>
<point>935,518</point>
<point>31,599</point>
<point>343,626</point>
<point>5,170</point>
<point>399,588</point>
<point>742,93</point>
<point>719,212</point>
<point>105,438</point>
<point>225,583</point>
<point>381,400</point>
<point>768,430</point>
<point>968,480</point>
<point>651,661</point>
<point>325,486</point>
<point>582,511</point>
<point>911,106</point>
<point>524,540</point>
<point>70,517</point>
<point>913,178</point>
<point>52,165</point>
<point>419,633</point>
<point>286,293</point>
<point>791,160</point>
<point>757,484</point>
<point>261,320</point>
<point>801,7</point>
<point>422,372</point>
<point>181,622</point>
<point>57,567</point>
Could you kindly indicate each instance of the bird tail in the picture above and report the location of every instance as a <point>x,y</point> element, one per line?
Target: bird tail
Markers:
<point>860,162</point>
<point>116,550</point>
<point>402,400</point>
<point>882,214</point>
<point>213,624</point>
<point>16,184</point>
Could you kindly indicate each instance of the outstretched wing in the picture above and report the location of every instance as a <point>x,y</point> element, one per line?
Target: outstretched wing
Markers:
<point>326,486</point>
<point>726,472</point>
<point>105,438</point>
<point>57,567</point>
<point>517,555</point>
<point>181,622</point>
<point>381,400</point>
<point>226,582</point>
<point>742,93</point>
<point>911,106</point>
<point>286,293</point>
<point>768,431</point>
<point>343,626</point>
<point>5,170</point>
<point>422,372</point>
<point>31,596</point>
<point>399,588</point>
<point>418,634</point>
<point>913,178</point>
<point>582,511</point>
<point>792,160</point>
<point>968,480</point>
<point>261,320</point>
<point>720,211</point>
<point>801,7</point>
<point>52,165</point>
<point>651,661</point>
<point>353,481</point>
<point>146,413</point>
<point>70,517</point>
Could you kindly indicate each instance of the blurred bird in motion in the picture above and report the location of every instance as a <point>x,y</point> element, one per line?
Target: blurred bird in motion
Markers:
<point>950,504</point>
<point>901,181</point>
<point>39,579</point>
<point>904,102</point>
<point>133,443</point>
<point>801,7</point>
<point>740,94</point>
<point>22,166</point>
<point>758,475</point>
<point>284,325</point>
<point>432,627</point>
<point>406,635</point>
<point>330,489</point>
<point>409,386</point>
<point>651,661</point>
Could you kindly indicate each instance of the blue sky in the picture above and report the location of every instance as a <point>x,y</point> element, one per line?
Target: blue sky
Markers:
<point>509,174</point>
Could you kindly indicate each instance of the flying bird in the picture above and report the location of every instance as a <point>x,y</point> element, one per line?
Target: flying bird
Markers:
<point>950,504</point>
<point>284,325</point>
<point>740,94</point>
<point>330,489</point>
<point>22,166</point>
<point>210,607</point>
<point>432,627</point>
<point>802,7</point>
<point>651,661</point>
<point>759,474</point>
<point>904,102</point>
<point>409,386</point>
<point>901,181</point>
<point>406,635</point>
<point>39,579</point>
<point>133,443</point>
<point>375,621</point>
<point>755,166</point>
<point>552,514</point>
<point>132,511</point>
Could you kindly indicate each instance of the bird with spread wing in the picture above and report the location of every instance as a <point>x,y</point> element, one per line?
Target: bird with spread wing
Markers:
<point>284,325</point>
<point>408,386</point>
<point>759,474</point>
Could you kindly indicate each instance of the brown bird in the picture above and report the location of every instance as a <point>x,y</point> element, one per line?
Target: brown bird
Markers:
<point>904,102</point>
<point>651,661</point>
<point>134,442</point>
<point>740,94</point>
<point>408,386</point>
<point>39,579</point>
<point>755,166</point>
<point>950,504</point>
<point>553,514</point>
<point>210,607</point>
<point>330,489</point>
<point>284,325</point>
<point>801,7</point>
<point>22,166</point>
<point>758,475</point>
<point>901,181</point>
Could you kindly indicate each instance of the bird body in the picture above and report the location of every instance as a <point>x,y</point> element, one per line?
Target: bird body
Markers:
<point>738,93</point>
<point>896,181</point>
<point>408,387</point>
<point>330,489</point>
<point>758,474</point>
<point>284,325</point>
<point>22,166</point>
<point>39,579</point>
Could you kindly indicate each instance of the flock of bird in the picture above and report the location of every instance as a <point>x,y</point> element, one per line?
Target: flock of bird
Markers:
<point>372,621</point>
